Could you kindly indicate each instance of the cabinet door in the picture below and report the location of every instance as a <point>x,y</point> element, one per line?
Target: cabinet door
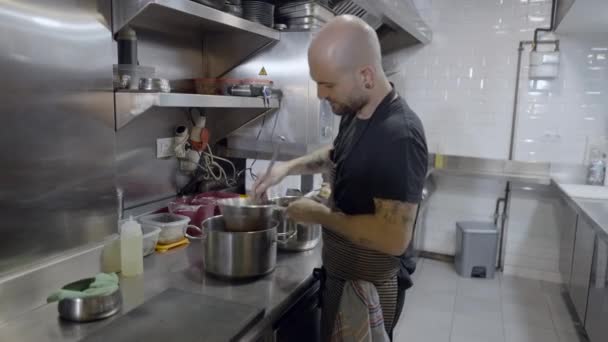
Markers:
<point>567,230</point>
<point>597,306</point>
<point>581,266</point>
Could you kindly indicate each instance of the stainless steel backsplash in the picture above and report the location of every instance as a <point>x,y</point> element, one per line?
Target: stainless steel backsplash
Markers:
<point>57,142</point>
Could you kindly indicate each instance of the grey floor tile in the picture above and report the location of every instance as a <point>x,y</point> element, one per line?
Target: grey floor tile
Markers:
<point>551,288</point>
<point>528,333</point>
<point>478,307</point>
<point>437,283</point>
<point>564,322</point>
<point>458,338</point>
<point>512,284</point>
<point>415,318</point>
<point>480,288</point>
<point>571,336</point>
<point>538,316</point>
<point>444,307</point>
<point>434,335</point>
<point>479,327</point>
<point>560,305</point>
<point>525,297</point>
<point>441,302</point>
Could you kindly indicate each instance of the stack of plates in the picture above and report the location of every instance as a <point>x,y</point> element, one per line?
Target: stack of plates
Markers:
<point>234,7</point>
<point>259,11</point>
<point>304,15</point>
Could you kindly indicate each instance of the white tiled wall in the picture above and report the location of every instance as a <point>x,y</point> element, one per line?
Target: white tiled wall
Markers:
<point>558,119</point>
<point>456,199</point>
<point>462,83</point>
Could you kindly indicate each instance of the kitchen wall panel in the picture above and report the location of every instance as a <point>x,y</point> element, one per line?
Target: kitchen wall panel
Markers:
<point>559,119</point>
<point>143,177</point>
<point>462,83</point>
<point>456,199</point>
<point>57,184</point>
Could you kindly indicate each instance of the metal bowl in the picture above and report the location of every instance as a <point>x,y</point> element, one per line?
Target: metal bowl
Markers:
<point>88,308</point>
<point>243,215</point>
<point>293,236</point>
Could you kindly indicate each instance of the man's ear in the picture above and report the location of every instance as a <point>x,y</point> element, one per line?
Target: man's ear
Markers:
<point>368,78</point>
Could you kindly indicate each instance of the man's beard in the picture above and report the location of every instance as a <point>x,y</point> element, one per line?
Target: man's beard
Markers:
<point>353,106</point>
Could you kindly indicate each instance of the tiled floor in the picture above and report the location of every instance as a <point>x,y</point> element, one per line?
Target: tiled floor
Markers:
<point>443,307</point>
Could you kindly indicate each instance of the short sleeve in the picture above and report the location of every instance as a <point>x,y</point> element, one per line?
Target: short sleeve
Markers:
<point>399,174</point>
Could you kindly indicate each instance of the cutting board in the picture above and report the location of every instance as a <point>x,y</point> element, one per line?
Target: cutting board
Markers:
<point>586,191</point>
<point>176,315</point>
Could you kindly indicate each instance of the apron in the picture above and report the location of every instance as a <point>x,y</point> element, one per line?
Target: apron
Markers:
<point>343,261</point>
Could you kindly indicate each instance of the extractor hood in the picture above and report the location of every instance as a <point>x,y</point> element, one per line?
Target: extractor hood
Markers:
<point>397,22</point>
<point>581,16</point>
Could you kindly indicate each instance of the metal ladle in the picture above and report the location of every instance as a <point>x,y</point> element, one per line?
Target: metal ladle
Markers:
<point>273,159</point>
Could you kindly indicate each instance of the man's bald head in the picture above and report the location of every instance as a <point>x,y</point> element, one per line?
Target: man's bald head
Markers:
<point>346,42</point>
<point>346,63</point>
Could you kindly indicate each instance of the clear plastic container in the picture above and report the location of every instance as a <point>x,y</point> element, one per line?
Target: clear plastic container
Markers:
<point>172,227</point>
<point>150,239</point>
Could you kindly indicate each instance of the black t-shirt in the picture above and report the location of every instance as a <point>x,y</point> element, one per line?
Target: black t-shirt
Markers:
<point>384,157</point>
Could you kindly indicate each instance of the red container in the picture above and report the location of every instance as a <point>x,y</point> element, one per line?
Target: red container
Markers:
<point>215,195</point>
<point>197,212</point>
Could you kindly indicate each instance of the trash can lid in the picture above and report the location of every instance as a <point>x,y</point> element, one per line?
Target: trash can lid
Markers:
<point>477,226</point>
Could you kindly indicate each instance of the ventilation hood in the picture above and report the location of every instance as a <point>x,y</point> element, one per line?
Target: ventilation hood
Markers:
<point>397,21</point>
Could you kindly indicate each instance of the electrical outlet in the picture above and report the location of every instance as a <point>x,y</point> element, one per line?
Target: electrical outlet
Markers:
<point>164,148</point>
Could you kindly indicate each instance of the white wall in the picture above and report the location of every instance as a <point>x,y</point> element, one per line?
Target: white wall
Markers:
<point>558,119</point>
<point>462,83</point>
<point>456,199</point>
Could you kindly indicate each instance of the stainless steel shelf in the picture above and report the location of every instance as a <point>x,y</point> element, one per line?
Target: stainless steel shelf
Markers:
<point>130,105</point>
<point>178,16</point>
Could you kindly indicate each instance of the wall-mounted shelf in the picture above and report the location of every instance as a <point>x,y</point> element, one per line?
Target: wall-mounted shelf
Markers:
<point>172,16</point>
<point>130,105</point>
<point>227,39</point>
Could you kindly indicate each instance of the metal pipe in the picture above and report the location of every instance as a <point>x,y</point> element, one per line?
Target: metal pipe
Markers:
<point>503,224</point>
<point>515,101</point>
<point>551,25</point>
<point>516,96</point>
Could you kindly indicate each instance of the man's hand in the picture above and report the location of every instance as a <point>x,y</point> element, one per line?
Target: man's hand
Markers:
<point>265,181</point>
<point>307,211</point>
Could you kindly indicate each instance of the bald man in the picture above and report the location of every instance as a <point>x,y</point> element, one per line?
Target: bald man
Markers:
<point>378,164</point>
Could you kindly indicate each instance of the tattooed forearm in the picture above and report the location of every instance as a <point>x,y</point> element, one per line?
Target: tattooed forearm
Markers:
<point>316,162</point>
<point>392,221</point>
<point>395,212</point>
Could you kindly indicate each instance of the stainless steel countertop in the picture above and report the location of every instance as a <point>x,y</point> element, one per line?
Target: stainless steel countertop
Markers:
<point>594,210</point>
<point>180,269</point>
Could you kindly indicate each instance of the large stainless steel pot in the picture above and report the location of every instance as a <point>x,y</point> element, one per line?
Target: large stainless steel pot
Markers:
<point>244,215</point>
<point>238,255</point>
<point>306,236</point>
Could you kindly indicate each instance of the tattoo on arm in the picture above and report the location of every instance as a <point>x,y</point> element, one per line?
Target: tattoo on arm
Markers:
<point>395,212</point>
<point>316,163</point>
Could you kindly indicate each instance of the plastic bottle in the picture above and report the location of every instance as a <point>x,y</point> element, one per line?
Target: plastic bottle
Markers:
<point>597,169</point>
<point>131,248</point>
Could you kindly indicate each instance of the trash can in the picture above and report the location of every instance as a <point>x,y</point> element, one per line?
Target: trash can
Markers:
<point>476,244</point>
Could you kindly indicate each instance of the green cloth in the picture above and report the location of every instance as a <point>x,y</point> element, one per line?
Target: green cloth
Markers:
<point>104,284</point>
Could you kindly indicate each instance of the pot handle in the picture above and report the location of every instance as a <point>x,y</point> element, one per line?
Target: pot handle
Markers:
<point>288,236</point>
<point>202,237</point>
